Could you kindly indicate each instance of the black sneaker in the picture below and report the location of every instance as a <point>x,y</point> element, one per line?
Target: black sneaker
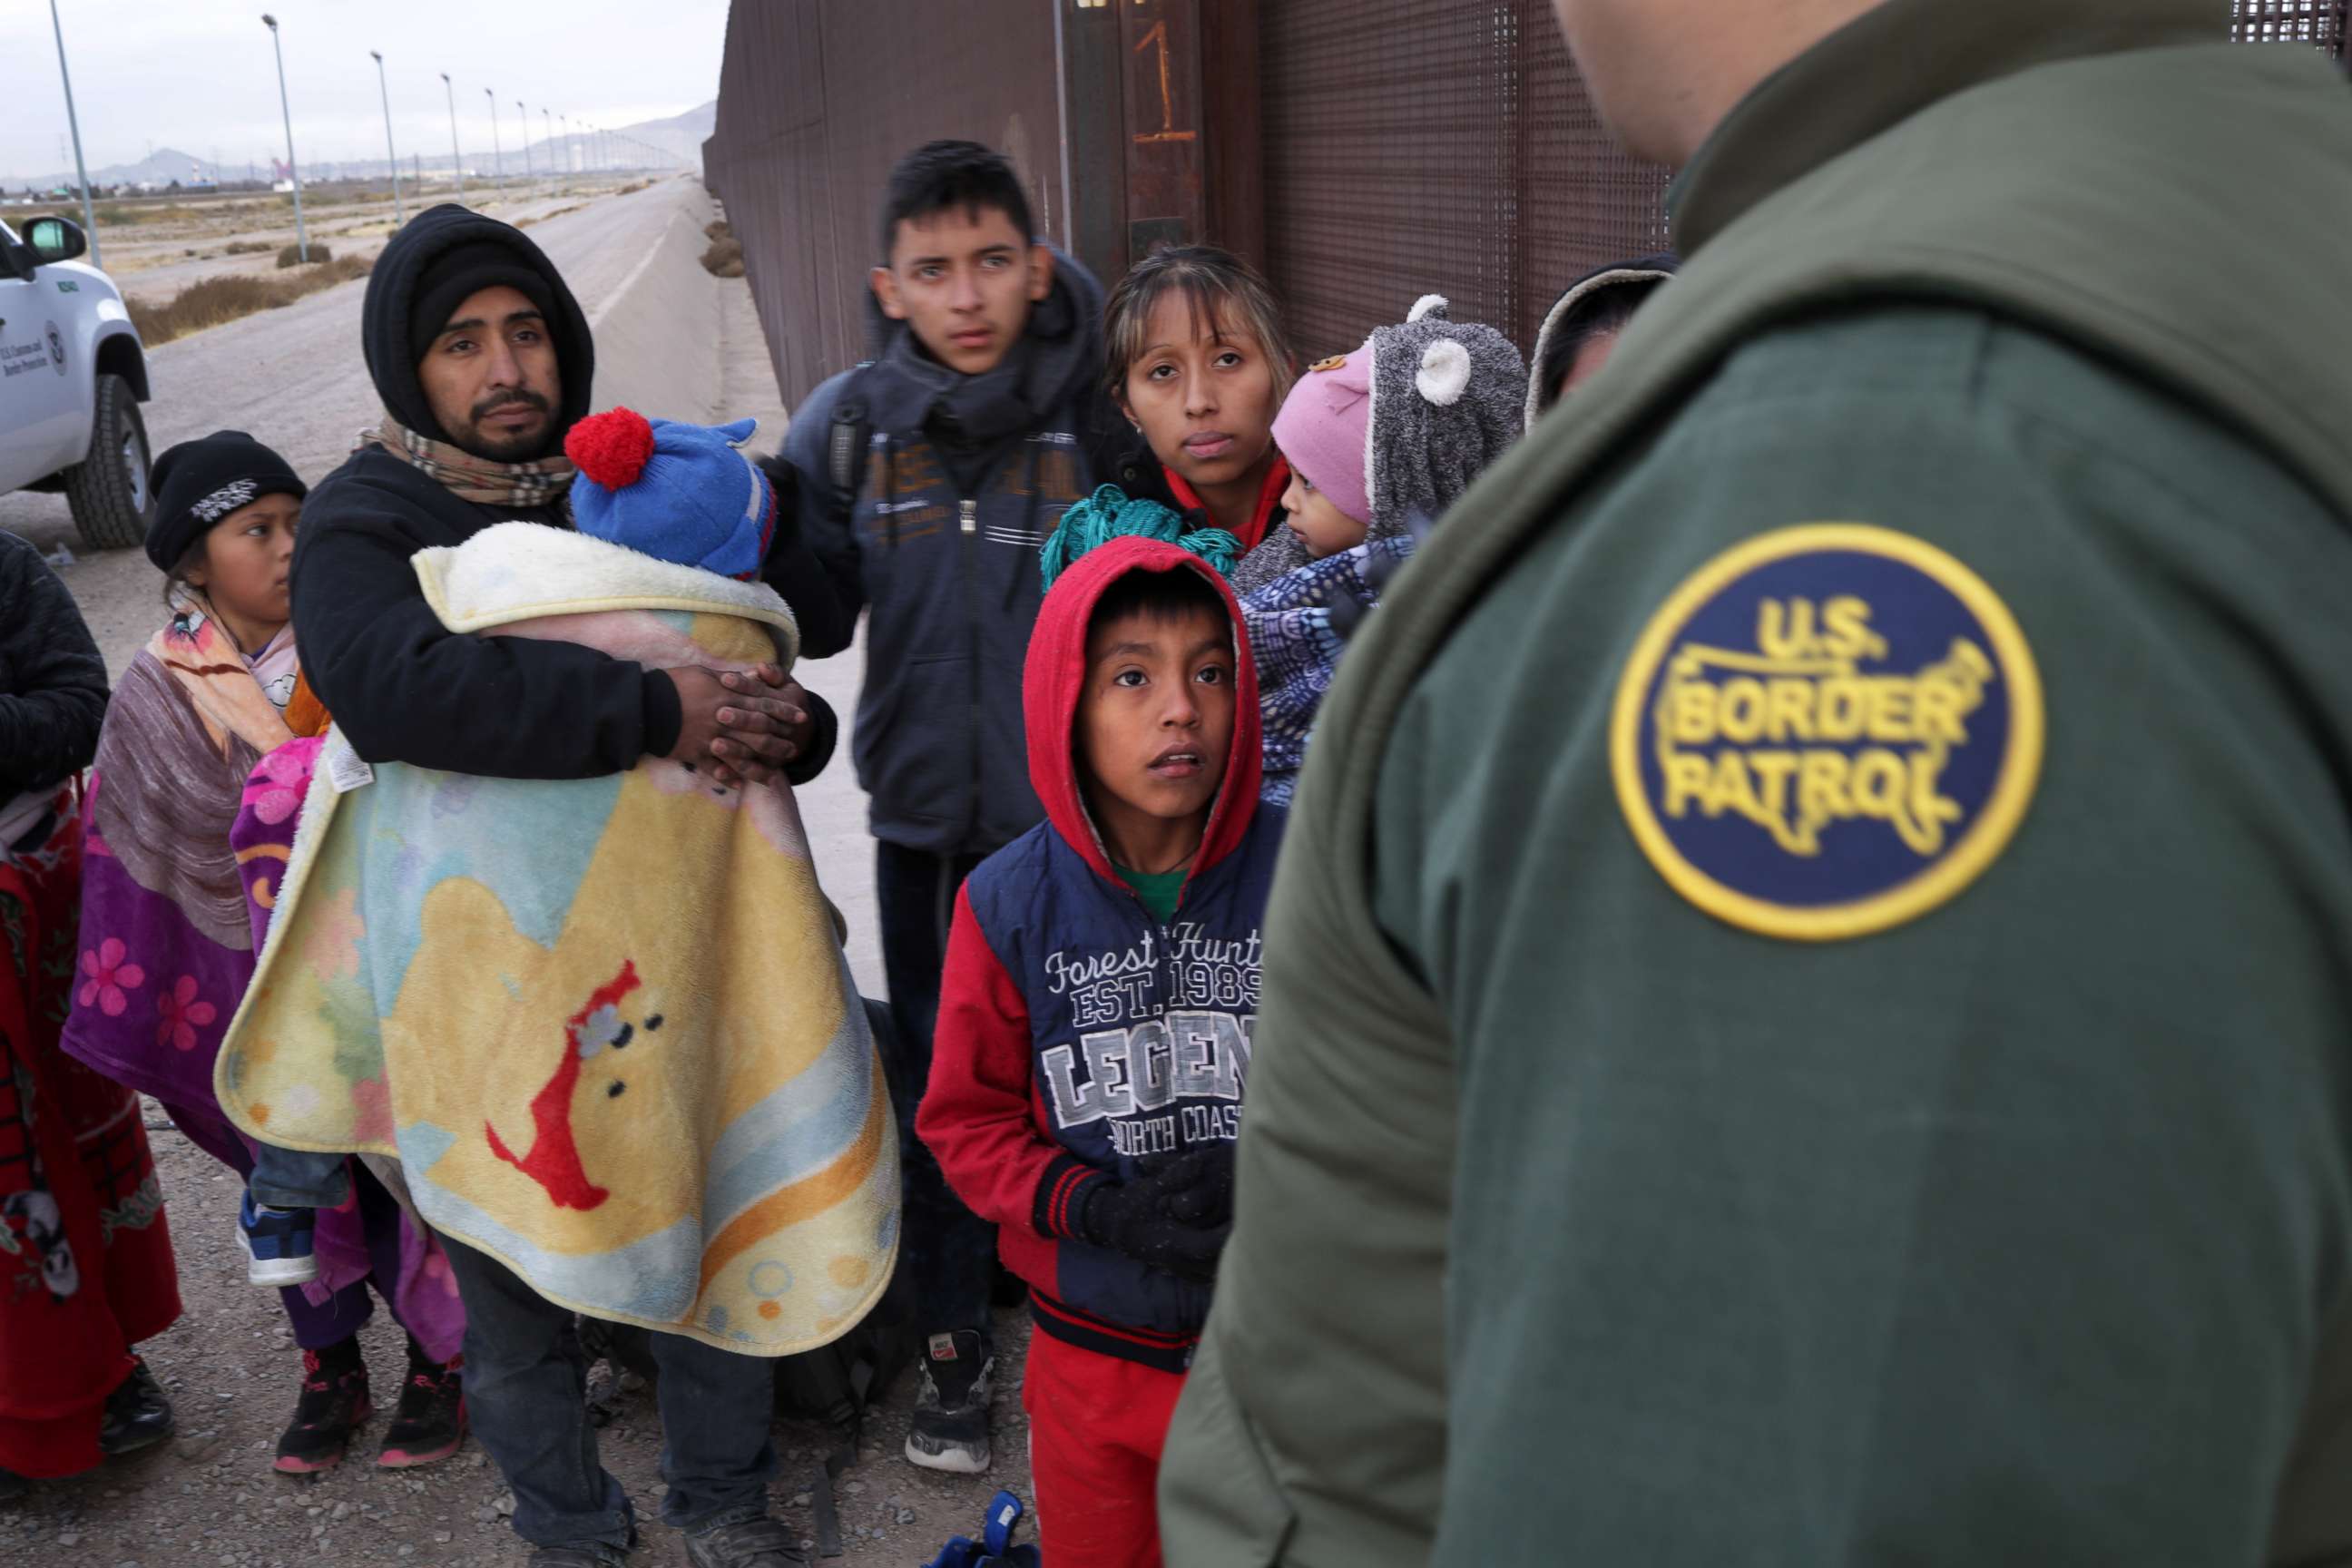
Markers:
<point>950,1430</point>
<point>138,1414</point>
<point>429,1423</point>
<point>334,1401</point>
<point>749,1538</point>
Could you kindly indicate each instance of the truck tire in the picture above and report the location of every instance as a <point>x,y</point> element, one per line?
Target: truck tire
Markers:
<point>109,490</point>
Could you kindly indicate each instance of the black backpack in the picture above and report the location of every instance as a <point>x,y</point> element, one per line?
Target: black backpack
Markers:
<point>848,440</point>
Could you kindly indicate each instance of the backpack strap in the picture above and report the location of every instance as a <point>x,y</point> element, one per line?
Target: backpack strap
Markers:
<point>848,442</point>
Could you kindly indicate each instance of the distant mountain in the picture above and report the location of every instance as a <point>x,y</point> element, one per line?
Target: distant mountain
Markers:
<point>679,137</point>
<point>161,166</point>
<point>683,134</point>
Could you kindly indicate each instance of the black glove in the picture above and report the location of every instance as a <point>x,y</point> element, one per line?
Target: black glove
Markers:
<point>1197,1188</point>
<point>1131,1218</point>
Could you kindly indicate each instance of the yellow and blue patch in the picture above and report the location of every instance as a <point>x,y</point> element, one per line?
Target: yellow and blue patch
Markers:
<point>1827,730</point>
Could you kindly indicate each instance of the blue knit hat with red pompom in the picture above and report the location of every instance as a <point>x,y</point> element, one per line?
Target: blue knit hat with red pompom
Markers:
<point>678,492</point>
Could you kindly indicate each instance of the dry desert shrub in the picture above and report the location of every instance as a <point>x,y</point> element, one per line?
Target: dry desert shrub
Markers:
<point>214,300</point>
<point>724,258</point>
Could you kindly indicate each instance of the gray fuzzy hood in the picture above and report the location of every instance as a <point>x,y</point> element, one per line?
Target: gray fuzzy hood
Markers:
<point>1445,404</point>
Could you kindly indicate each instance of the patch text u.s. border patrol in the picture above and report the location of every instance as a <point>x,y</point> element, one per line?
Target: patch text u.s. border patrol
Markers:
<point>1827,730</point>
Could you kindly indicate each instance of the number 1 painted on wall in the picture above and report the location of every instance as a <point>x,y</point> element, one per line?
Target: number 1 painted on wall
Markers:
<point>1167,132</point>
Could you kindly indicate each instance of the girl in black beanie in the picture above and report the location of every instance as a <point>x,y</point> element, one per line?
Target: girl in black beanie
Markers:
<point>224,538</point>
<point>167,943</point>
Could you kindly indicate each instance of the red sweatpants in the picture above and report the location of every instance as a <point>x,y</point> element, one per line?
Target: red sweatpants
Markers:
<point>1097,1426</point>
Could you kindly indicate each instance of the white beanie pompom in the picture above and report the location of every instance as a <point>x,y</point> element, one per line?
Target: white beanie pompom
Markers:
<point>1445,374</point>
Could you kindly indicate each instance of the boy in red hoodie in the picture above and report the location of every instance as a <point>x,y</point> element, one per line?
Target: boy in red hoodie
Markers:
<point>1095,1021</point>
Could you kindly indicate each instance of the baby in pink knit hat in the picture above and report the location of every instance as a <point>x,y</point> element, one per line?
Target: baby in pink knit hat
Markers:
<point>1382,442</point>
<point>1383,439</point>
<point>1324,429</point>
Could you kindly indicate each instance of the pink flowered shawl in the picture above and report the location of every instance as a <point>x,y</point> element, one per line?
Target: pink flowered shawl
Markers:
<point>167,942</point>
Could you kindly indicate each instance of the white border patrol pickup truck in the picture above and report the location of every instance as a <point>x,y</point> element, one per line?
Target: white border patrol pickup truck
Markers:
<point>72,376</point>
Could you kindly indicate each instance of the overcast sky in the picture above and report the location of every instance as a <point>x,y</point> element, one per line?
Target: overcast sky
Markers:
<point>197,75</point>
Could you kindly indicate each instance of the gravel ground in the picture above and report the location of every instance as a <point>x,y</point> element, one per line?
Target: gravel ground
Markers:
<point>209,1496</point>
<point>293,378</point>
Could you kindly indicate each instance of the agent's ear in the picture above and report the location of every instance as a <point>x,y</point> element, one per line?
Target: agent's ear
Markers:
<point>1041,273</point>
<point>884,284</point>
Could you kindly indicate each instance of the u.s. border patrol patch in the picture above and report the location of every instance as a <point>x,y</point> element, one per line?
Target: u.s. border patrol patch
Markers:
<point>1827,730</point>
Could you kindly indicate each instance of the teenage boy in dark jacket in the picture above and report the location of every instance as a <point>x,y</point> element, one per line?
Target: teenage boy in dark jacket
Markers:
<point>1101,993</point>
<point>976,426</point>
<point>483,360</point>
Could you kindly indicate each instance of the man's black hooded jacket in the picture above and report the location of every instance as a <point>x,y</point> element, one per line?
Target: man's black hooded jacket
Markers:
<point>403,688</point>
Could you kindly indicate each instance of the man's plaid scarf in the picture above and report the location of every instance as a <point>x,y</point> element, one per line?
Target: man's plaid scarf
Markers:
<point>543,483</point>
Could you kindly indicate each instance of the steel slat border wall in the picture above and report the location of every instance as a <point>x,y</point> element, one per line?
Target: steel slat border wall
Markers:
<point>2321,23</point>
<point>818,98</point>
<point>1406,146</point>
<point>1435,146</point>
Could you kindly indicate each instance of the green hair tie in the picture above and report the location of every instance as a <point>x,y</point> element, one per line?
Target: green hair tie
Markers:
<point>1109,513</point>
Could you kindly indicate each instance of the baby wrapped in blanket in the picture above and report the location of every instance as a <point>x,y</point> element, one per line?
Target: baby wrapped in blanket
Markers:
<point>605,1024</point>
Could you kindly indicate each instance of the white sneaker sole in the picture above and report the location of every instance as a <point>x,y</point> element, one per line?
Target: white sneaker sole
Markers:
<point>275,1271</point>
<point>955,1461</point>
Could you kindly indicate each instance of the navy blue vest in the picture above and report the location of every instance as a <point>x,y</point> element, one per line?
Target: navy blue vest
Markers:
<point>1140,1032</point>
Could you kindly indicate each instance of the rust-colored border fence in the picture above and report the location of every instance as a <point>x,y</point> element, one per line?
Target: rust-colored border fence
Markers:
<point>818,98</point>
<point>2322,23</point>
<point>1363,151</point>
<point>1437,146</point>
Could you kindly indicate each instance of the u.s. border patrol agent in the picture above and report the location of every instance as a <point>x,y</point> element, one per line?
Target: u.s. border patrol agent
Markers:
<point>1809,1011</point>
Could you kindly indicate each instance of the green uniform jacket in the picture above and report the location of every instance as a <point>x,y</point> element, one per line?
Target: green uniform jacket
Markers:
<point>1809,1010</point>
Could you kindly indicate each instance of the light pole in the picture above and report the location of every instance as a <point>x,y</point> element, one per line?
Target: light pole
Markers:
<point>547,129</point>
<point>528,178</point>
<point>293,174</point>
<point>89,218</point>
<point>565,121</point>
<point>457,158</point>
<point>498,155</point>
<point>399,209</point>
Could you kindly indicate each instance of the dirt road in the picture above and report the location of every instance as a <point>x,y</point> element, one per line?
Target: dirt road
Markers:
<point>294,378</point>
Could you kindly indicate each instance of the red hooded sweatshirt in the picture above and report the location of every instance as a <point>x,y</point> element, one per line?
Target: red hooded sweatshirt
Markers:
<point>1079,1039</point>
